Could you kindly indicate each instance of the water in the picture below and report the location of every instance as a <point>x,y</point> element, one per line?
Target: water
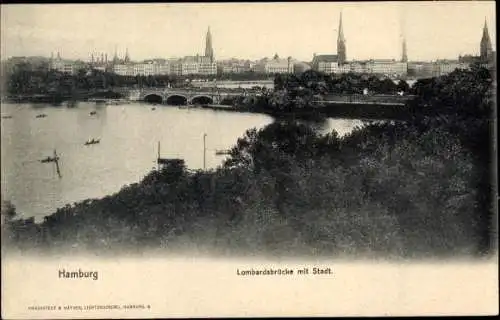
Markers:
<point>127,151</point>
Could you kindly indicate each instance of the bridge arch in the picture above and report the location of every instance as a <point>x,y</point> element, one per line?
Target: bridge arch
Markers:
<point>177,100</point>
<point>202,99</point>
<point>153,98</point>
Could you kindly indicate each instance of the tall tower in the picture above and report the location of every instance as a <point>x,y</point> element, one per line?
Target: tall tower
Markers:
<point>115,57</point>
<point>341,49</point>
<point>404,56</point>
<point>127,58</point>
<point>485,50</point>
<point>209,50</point>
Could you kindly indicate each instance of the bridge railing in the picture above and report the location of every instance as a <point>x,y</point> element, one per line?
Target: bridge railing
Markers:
<point>396,99</point>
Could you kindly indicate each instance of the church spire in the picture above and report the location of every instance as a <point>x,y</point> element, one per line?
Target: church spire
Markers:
<point>127,58</point>
<point>341,49</point>
<point>341,30</point>
<point>115,57</point>
<point>209,50</point>
<point>485,47</point>
<point>485,29</point>
<point>404,56</point>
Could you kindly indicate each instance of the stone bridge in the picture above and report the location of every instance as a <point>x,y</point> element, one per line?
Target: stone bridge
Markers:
<point>181,96</point>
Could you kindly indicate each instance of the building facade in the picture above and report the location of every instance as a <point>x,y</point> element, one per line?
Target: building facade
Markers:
<point>275,65</point>
<point>235,66</point>
<point>144,69</point>
<point>446,67</point>
<point>62,65</point>
<point>326,63</point>
<point>207,65</point>
<point>330,64</point>
<point>387,67</point>
<point>124,69</point>
<point>193,65</point>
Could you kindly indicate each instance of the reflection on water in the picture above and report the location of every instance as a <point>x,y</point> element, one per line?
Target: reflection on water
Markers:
<point>127,151</point>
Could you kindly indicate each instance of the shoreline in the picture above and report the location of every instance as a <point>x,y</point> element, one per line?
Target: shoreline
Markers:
<point>327,110</point>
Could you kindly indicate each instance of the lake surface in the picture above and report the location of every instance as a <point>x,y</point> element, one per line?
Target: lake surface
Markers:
<point>127,152</point>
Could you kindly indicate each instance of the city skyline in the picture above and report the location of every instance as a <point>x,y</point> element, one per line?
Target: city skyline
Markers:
<point>371,30</point>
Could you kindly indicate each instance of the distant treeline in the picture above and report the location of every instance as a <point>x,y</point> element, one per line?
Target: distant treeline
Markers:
<point>24,78</point>
<point>299,91</point>
<point>349,83</point>
<point>421,187</point>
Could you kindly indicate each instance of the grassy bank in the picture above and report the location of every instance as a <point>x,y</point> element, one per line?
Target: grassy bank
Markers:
<point>415,188</point>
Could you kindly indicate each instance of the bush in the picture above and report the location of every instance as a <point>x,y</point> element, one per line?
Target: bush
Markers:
<point>414,188</point>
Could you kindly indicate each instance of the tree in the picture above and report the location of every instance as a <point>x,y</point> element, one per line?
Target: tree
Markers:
<point>403,86</point>
<point>8,211</point>
<point>279,82</point>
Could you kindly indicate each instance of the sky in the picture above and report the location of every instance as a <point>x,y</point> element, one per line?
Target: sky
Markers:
<point>433,30</point>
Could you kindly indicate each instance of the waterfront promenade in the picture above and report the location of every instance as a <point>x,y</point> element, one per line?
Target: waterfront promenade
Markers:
<point>246,97</point>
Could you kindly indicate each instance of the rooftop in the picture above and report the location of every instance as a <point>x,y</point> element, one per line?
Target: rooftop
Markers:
<point>325,58</point>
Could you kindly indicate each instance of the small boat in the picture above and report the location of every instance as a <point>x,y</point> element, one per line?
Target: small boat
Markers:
<point>49,159</point>
<point>54,159</point>
<point>93,113</point>
<point>43,115</point>
<point>92,141</point>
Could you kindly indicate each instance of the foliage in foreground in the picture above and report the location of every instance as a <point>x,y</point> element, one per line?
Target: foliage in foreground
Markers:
<point>416,188</point>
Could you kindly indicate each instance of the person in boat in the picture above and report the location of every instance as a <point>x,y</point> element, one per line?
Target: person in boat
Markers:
<point>49,159</point>
<point>93,141</point>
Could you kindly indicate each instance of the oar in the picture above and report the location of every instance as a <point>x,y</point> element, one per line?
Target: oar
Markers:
<point>58,170</point>
<point>57,164</point>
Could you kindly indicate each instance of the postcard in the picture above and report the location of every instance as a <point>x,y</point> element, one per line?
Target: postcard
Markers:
<point>184,160</point>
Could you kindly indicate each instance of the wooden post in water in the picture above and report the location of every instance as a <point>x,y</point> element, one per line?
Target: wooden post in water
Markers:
<point>158,158</point>
<point>56,158</point>
<point>204,151</point>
